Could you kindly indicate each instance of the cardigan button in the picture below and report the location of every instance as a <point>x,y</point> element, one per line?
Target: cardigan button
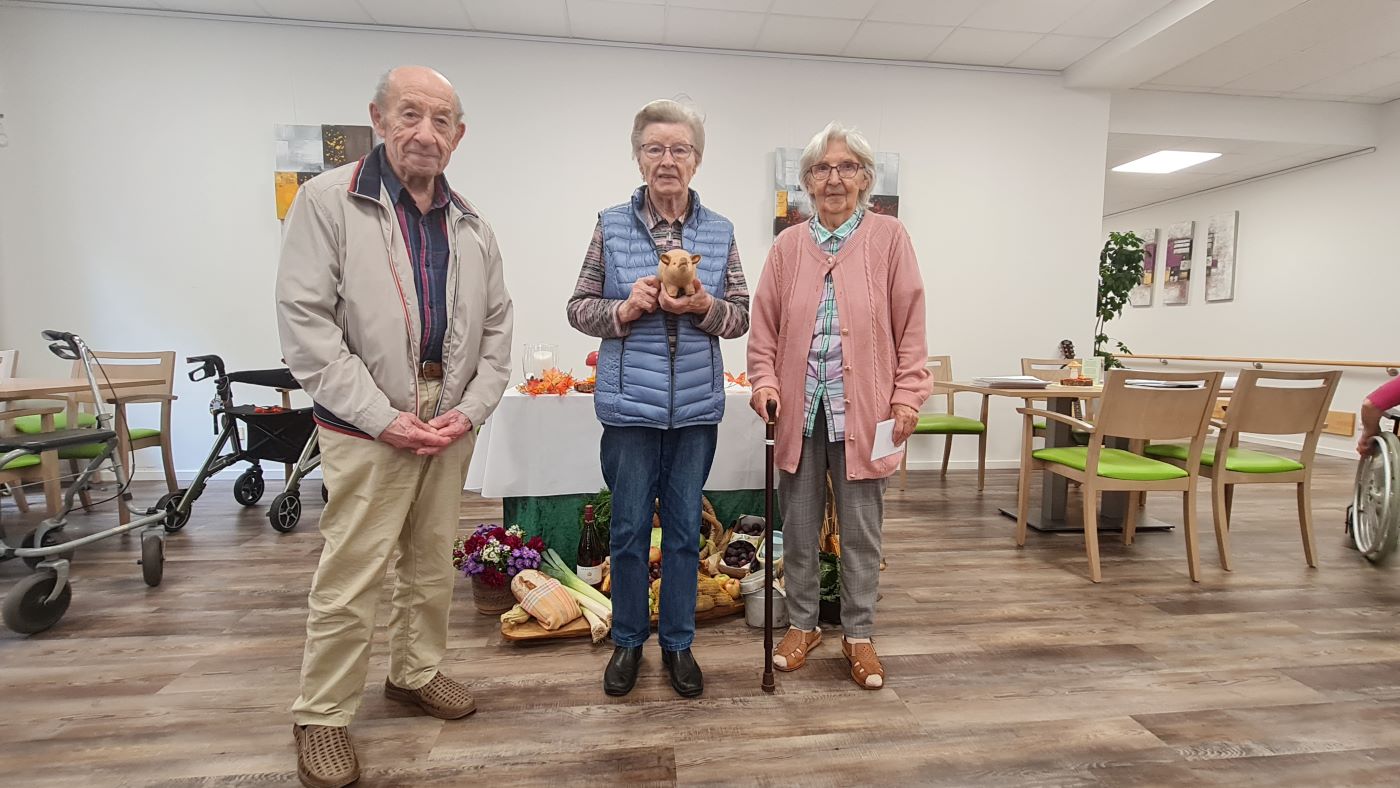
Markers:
<point>831,259</point>
<point>845,331</point>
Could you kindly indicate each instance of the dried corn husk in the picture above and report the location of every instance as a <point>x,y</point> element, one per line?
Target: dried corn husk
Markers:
<point>545,598</point>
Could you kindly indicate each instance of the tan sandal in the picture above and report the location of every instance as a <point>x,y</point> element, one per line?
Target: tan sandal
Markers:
<point>865,664</point>
<point>794,648</point>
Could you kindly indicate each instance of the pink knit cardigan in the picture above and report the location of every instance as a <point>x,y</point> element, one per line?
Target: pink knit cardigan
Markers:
<point>880,301</point>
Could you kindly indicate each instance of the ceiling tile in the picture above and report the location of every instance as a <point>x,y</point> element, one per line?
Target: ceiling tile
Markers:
<point>892,41</point>
<point>1027,16</point>
<point>231,7</point>
<point>1056,52</point>
<point>1386,93</point>
<point>696,27</point>
<point>442,14</point>
<point>949,13</point>
<point>535,18</point>
<point>1109,18</point>
<point>611,21</point>
<point>1362,79</point>
<point>136,4</point>
<point>833,9</point>
<point>806,35</point>
<point>318,10</point>
<point>722,5</point>
<point>974,47</point>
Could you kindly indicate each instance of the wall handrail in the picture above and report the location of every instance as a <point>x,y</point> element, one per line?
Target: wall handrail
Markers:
<point>1392,368</point>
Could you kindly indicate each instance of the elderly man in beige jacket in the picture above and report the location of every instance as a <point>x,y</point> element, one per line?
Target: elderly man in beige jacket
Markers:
<point>394,317</point>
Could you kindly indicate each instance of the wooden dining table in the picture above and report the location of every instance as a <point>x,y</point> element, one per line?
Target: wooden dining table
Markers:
<point>1055,488</point>
<point>15,389</point>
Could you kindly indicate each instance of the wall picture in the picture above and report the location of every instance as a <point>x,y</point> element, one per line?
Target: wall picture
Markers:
<point>1176,264</point>
<point>1220,256</point>
<point>305,151</point>
<point>1142,294</point>
<point>792,206</point>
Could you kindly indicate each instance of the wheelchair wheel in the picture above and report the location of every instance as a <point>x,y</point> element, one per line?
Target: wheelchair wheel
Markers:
<point>174,519</point>
<point>51,538</point>
<point>1376,500</point>
<point>285,512</point>
<point>27,609</point>
<point>248,488</point>
<point>152,558</point>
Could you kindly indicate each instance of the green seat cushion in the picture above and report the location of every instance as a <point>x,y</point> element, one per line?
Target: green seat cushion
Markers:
<point>1237,459</point>
<point>89,450</point>
<point>1113,463</point>
<point>944,424</point>
<point>1039,424</point>
<point>33,425</point>
<point>27,461</point>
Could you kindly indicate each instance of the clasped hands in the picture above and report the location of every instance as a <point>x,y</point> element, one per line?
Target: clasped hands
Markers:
<point>647,294</point>
<point>425,438</point>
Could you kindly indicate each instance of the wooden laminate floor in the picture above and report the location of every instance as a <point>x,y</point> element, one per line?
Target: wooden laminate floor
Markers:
<point>1006,667</point>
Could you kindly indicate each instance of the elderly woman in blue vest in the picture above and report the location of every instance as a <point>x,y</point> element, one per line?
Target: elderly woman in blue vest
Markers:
<point>660,387</point>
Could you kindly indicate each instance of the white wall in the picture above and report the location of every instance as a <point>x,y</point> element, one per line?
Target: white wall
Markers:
<point>136,191</point>
<point>1314,275</point>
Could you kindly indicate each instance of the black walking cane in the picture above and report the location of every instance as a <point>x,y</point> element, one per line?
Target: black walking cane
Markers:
<point>768,548</point>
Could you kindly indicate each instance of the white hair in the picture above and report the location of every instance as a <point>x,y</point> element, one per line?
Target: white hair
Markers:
<point>668,111</point>
<point>855,141</point>
<point>381,93</point>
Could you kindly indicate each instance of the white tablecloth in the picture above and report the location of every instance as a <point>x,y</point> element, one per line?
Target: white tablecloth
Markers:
<point>548,445</point>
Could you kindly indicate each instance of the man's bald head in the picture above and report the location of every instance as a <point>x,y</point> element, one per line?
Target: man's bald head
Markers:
<point>395,79</point>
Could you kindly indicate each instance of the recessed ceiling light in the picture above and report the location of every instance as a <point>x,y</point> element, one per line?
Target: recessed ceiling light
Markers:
<point>1166,161</point>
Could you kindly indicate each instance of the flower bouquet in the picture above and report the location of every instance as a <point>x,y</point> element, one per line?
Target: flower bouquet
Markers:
<point>491,556</point>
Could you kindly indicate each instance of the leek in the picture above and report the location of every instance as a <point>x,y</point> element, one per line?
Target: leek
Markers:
<point>597,628</point>
<point>555,567</point>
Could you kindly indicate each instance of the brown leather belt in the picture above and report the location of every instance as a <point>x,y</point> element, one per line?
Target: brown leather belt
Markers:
<point>430,370</point>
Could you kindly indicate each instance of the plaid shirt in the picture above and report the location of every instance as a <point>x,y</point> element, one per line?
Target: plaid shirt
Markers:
<point>425,235</point>
<point>826,385</point>
<point>596,316</point>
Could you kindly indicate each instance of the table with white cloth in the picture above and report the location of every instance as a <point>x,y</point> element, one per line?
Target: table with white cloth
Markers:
<point>540,455</point>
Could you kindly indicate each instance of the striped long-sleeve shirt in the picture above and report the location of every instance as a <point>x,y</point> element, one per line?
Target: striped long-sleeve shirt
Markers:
<point>593,314</point>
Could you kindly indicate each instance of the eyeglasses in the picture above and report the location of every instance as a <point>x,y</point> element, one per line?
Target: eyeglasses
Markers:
<point>679,152</point>
<point>846,169</point>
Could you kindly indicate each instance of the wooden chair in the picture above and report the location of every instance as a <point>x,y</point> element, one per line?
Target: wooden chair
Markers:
<point>26,470</point>
<point>949,424</point>
<point>1052,370</point>
<point>1137,414</point>
<point>158,365</point>
<point>1257,407</point>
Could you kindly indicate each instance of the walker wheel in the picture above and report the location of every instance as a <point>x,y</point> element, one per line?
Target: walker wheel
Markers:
<point>1376,500</point>
<point>285,512</point>
<point>248,488</point>
<point>51,538</point>
<point>174,518</point>
<point>27,609</point>
<point>152,558</point>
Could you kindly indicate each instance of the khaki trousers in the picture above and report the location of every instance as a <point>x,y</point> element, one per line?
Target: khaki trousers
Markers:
<point>382,501</point>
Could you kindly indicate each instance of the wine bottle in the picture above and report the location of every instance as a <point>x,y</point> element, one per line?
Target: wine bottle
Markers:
<point>589,566</point>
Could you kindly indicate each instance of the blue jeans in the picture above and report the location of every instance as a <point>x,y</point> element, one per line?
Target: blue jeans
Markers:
<point>641,465</point>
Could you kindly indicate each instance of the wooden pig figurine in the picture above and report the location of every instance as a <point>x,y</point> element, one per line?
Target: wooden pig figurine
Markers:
<point>677,272</point>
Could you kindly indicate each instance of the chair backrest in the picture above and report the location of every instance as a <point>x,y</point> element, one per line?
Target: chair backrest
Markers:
<point>940,370</point>
<point>1298,406</point>
<point>1149,413</point>
<point>158,365</point>
<point>9,363</point>
<point>1051,369</point>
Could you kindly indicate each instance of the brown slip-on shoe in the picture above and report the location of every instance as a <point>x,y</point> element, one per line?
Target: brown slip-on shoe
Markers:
<point>442,697</point>
<point>325,756</point>
<point>794,648</point>
<point>865,664</point>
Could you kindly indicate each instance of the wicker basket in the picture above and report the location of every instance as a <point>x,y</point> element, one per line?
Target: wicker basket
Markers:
<point>491,601</point>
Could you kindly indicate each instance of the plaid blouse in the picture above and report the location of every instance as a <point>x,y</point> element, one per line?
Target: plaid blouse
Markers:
<point>825,382</point>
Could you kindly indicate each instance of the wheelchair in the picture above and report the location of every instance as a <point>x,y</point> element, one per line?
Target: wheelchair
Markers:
<point>1373,519</point>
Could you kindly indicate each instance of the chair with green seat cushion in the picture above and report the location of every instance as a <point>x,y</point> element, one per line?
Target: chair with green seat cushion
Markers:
<point>1264,402</point>
<point>1236,459</point>
<point>28,469</point>
<point>30,425</point>
<point>949,424</point>
<point>1138,415</point>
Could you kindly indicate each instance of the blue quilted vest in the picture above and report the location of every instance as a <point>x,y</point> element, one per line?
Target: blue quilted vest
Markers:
<point>639,383</point>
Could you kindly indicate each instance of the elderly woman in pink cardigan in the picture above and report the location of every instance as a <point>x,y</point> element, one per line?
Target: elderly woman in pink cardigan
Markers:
<point>837,341</point>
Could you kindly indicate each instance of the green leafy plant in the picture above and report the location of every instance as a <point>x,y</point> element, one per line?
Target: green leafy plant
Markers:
<point>830,574</point>
<point>602,513</point>
<point>1120,270</point>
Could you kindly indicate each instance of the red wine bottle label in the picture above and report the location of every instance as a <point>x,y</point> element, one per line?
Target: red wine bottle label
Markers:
<point>592,575</point>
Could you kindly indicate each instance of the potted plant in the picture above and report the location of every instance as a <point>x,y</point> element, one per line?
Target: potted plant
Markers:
<point>491,556</point>
<point>829,599</point>
<point>1120,270</point>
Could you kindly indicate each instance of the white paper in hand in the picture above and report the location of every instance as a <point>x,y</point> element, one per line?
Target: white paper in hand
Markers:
<point>884,441</point>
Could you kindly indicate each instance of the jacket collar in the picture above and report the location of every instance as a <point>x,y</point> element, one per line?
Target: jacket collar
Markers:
<point>642,207</point>
<point>367,182</point>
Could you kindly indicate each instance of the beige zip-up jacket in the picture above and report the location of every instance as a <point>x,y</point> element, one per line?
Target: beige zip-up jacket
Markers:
<point>348,315</point>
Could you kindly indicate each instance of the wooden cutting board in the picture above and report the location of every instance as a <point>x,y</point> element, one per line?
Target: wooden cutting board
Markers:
<point>531,630</point>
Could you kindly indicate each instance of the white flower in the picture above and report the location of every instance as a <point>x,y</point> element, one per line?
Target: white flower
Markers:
<point>516,531</point>
<point>491,553</point>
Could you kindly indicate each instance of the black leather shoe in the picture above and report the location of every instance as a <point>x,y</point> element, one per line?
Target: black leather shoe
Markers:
<point>621,673</point>
<point>686,677</point>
